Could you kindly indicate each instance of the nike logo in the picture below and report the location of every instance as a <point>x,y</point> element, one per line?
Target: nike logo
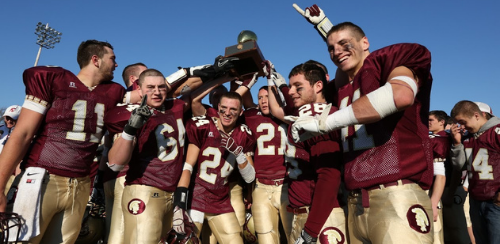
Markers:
<point>223,63</point>
<point>30,174</point>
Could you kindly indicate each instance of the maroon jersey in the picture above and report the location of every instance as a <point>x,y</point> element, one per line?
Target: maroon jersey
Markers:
<point>68,137</point>
<point>301,189</point>
<point>215,163</point>
<point>483,154</point>
<point>398,146</point>
<point>326,157</point>
<point>440,146</point>
<point>270,137</point>
<point>158,156</point>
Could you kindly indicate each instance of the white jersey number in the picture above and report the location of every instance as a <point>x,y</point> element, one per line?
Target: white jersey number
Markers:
<point>212,164</point>
<point>270,149</point>
<point>77,134</point>
<point>167,146</point>
<point>480,163</point>
<point>361,139</point>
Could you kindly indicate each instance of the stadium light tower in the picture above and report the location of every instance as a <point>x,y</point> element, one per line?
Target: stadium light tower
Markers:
<point>47,37</point>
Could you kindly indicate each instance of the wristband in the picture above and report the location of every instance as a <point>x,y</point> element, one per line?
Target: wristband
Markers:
<point>127,136</point>
<point>188,167</point>
<point>181,197</point>
<point>176,77</point>
<point>129,130</point>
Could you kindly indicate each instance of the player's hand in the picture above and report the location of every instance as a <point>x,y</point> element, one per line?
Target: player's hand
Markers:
<point>97,195</point>
<point>249,82</point>
<point>313,14</point>
<point>220,67</point>
<point>306,127</point>
<point>230,145</point>
<point>180,217</point>
<point>273,77</point>
<point>305,238</point>
<point>138,117</point>
<point>456,134</point>
<point>192,71</point>
<point>435,211</point>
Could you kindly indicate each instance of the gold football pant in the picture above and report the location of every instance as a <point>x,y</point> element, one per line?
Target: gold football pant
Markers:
<point>224,227</point>
<point>397,214</point>
<point>62,207</point>
<point>113,190</point>
<point>236,195</point>
<point>147,212</point>
<point>268,205</point>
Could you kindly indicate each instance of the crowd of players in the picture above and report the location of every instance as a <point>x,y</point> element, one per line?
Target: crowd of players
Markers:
<point>354,159</point>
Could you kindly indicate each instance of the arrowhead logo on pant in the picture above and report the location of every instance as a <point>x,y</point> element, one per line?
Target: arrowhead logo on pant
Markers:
<point>418,219</point>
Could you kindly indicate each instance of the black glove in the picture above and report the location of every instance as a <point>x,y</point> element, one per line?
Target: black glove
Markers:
<point>305,238</point>
<point>138,117</point>
<point>220,67</point>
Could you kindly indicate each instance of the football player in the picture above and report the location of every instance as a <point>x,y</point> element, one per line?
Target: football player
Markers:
<point>65,112</point>
<point>441,150</point>
<point>270,196</point>
<point>384,129</point>
<point>482,153</point>
<point>308,95</point>
<point>217,145</point>
<point>153,148</point>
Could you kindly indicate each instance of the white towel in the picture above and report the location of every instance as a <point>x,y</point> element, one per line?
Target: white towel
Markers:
<point>27,203</point>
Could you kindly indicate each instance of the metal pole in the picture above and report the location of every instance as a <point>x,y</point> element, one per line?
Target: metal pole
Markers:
<point>38,55</point>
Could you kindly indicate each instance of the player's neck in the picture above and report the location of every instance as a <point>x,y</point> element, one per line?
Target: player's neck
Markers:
<point>89,78</point>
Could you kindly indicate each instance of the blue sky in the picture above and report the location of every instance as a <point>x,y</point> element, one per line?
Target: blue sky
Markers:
<point>461,35</point>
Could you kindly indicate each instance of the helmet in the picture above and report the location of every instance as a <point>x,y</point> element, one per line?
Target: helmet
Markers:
<point>175,238</point>
<point>249,230</point>
<point>92,228</point>
<point>12,111</point>
<point>247,35</point>
<point>7,222</point>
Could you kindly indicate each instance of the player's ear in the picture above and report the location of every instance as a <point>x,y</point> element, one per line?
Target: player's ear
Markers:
<point>96,61</point>
<point>318,87</point>
<point>365,43</point>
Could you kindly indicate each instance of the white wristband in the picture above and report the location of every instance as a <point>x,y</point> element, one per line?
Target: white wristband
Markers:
<point>410,81</point>
<point>324,26</point>
<point>127,136</point>
<point>115,167</point>
<point>188,167</point>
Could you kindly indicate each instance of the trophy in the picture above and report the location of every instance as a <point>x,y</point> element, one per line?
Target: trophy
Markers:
<point>248,52</point>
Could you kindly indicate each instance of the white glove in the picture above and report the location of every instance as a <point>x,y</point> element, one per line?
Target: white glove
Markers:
<point>316,16</point>
<point>309,126</point>
<point>313,14</point>
<point>230,145</point>
<point>248,82</point>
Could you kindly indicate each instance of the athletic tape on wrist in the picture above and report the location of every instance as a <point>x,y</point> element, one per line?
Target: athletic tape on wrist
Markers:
<point>187,167</point>
<point>342,118</point>
<point>241,158</point>
<point>382,100</point>
<point>324,26</point>
<point>410,81</point>
<point>247,173</point>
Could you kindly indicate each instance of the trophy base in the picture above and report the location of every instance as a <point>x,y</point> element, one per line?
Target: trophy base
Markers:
<point>250,59</point>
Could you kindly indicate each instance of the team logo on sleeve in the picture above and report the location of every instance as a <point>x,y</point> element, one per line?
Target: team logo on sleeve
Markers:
<point>136,206</point>
<point>418,219</point>
<point>332,235</point>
